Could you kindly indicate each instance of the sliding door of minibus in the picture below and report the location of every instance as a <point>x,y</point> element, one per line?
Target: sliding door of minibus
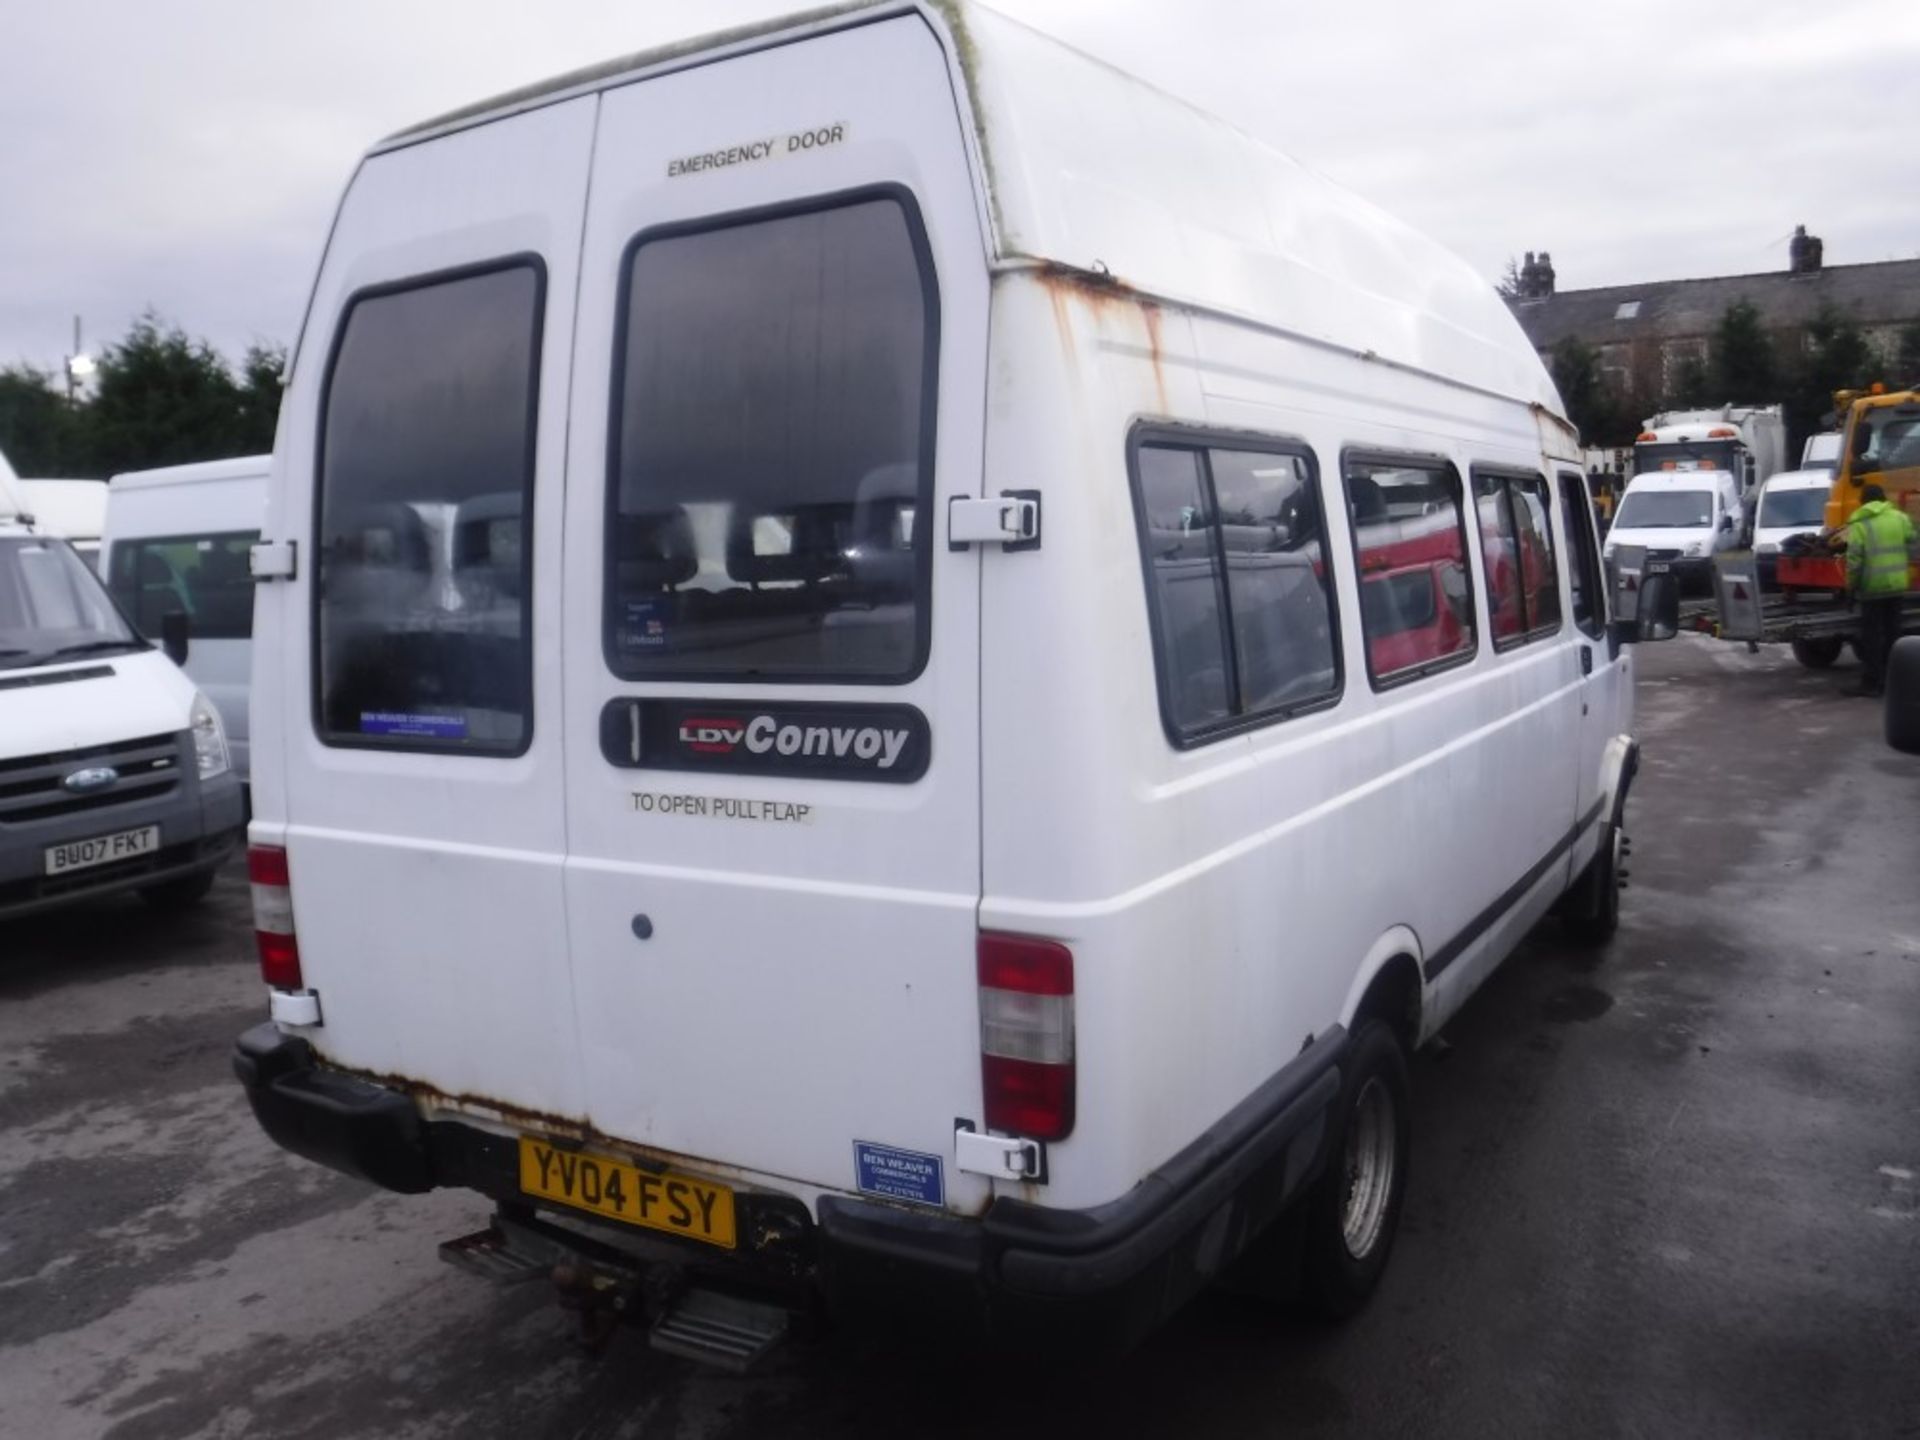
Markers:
<point>772,654</point>
<point>417,733</point>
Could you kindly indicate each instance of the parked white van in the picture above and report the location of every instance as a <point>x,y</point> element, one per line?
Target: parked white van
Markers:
<point>1794,502</point>
<point>75,510</point>
<point>1683,519</point>
<point>1031,650</point>
<point>178,539</point>
<point>114,771</point>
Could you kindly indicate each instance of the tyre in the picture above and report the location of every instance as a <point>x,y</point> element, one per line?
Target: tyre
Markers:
<point>1902,715</point>
<point>1349,1217</point>
<point>1818,654</point>
<point>181,894</point>
<point>1591,911</point>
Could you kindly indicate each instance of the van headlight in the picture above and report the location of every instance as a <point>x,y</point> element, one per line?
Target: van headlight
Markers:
<point>1696,547</point>
<point>209,737</point>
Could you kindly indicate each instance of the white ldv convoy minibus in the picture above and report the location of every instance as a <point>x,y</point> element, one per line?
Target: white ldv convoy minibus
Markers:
<point>1007,652</point>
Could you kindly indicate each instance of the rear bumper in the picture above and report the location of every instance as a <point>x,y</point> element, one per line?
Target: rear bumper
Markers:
<point>1021,1273</point>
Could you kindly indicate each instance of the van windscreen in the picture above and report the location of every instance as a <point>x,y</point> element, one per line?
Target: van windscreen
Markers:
<point>772,448</point>
<point>52,606</point>
<point>422,636</point>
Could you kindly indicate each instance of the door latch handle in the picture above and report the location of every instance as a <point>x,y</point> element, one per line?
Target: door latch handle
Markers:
<point>1586,660</point>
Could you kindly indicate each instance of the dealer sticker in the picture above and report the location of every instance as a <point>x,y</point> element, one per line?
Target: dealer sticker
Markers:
<point>898,1174</point>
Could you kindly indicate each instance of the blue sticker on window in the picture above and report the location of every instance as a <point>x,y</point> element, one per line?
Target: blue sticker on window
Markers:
<point>419,727</point>
<point>898,1174</point>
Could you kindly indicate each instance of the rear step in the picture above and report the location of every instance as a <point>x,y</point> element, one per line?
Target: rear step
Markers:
<point>605,1287</point>
<point>490,1254</point>
<point>719,1330</point>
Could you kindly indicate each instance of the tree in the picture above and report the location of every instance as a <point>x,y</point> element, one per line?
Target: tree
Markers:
<point>39,432</point>
<point>1583,389</point>
<point>262,374</point>
<point>1509,282</point>
<point>162,399</point>
<point>1740,357</point>
<point>1837,357</point>
<point>1692,385</point>
<point>1906,356</point>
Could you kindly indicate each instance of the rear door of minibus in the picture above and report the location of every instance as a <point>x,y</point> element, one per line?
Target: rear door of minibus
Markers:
<point>772,654</point>
<point>415,773</point>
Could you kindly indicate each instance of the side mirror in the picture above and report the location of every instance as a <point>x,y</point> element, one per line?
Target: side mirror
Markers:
<point>1726,524</point>
<point>1659,617</point>
<point>173,635</point>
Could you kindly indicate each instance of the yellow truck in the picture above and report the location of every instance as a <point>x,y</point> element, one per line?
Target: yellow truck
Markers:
<point>1880,431</point>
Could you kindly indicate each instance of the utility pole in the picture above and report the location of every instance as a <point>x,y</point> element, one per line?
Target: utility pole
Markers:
<point>79,367</point>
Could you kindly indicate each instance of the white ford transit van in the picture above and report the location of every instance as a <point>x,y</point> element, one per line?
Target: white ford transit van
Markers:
<point>114,772</point>
<point>178,539</point>
<point>1009,652</point>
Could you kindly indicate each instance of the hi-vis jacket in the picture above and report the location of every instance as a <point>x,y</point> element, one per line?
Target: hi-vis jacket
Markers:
<point>1879,538</point>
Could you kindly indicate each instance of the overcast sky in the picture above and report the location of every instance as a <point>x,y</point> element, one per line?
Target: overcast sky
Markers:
<point>187,154</point>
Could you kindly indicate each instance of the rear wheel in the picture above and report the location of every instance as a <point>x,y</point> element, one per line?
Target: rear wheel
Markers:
<point>1818,654</point>
<point>1350,1215</point>
<point>181,894</point>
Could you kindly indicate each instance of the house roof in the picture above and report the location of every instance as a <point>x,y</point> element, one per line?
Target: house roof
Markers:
<point>1082,165</point>
<point>1883,293</point>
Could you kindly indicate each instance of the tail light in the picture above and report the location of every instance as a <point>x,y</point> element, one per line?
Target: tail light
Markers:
<point>273,917</point>
<point>1026,1035</point>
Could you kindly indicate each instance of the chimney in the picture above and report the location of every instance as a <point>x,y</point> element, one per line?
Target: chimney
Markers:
<point>1536,276</point>
<point>1803,252</point>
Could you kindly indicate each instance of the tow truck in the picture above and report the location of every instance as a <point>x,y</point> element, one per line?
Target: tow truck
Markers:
<point>1811,611</point>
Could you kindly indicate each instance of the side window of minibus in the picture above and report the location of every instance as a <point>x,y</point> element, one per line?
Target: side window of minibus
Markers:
<point>204,575</point>
<point>1410,546</point>
<point>1583,565</point>
<point>1516,541</point>
<point>1244,621</point>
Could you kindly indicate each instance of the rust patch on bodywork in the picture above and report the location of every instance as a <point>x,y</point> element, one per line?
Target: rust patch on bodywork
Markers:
<point>1112,304</point>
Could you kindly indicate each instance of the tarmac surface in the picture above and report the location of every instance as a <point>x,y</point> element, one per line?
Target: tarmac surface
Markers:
<point>1667,1188</point>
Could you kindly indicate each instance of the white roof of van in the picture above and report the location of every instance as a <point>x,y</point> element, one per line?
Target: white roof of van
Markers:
<point>244,468</point>
<point>1800,480</point>
<point>1089,168</point>
<point>1681,480</point>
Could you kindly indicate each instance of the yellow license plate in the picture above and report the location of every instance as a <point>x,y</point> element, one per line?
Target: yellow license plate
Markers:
<point>677,1204</point>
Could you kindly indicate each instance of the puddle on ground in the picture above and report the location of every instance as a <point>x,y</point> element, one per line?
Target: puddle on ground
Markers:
<point>1574,1003</point>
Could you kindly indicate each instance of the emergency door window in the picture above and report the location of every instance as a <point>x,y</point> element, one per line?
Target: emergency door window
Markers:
<point>1516,542</point>
<point>772,449</point>
<point>1410,547</point>
<point>1242,606</point>
<point>423,637</point>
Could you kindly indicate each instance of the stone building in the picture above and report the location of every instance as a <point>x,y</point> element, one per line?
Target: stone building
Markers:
<point>1645,333</point>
